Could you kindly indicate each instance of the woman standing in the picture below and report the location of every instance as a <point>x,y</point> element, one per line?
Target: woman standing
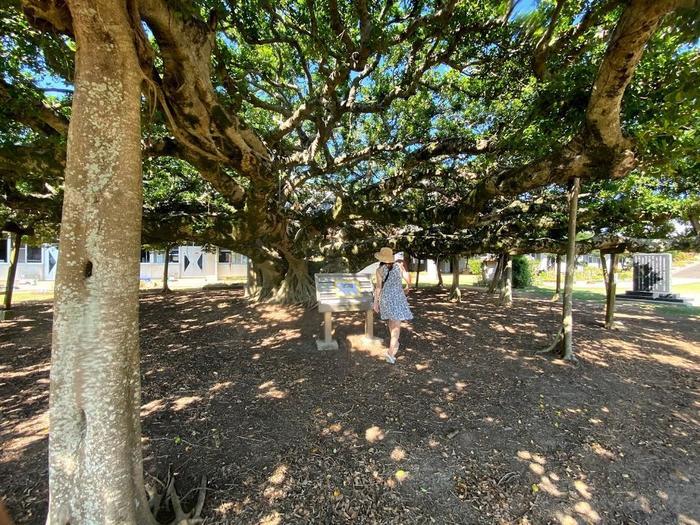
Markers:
<point>390,299</point>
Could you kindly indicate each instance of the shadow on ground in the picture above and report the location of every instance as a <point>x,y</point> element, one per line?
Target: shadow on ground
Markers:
<point>468,427</point>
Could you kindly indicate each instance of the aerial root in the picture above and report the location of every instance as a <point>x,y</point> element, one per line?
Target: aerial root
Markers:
<point>552,347</point>
<point>156,500</point>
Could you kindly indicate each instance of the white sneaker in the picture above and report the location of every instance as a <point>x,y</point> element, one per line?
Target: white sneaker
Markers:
<point>389,358</point>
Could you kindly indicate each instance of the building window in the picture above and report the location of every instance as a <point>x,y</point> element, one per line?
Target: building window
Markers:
<point>145,256</point>
<point>158,257</point>
<point>4,250</point>
<point>225,256</point>
<point>175,255</point>
<point>239,259</point>
<point>33,254</point>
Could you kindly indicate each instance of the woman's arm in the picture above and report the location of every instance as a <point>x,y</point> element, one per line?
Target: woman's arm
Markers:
<point>406,275</point>
<point>377,289</point>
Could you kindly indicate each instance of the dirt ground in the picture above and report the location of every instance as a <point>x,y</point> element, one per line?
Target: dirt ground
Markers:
<point>468,427</point>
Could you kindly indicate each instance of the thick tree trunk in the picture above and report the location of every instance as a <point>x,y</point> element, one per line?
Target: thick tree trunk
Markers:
<point>297,287</point>
<point>166,265</point>
<point>455,292</point>
<point>95,461</point>
<point>251,284</point>
<point>611,290</point>
<point>506,295</point>
<point>439,273</point>
<point>12,270</point>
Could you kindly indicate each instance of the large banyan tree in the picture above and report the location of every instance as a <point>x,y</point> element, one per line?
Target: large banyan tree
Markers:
<point>305,118</point>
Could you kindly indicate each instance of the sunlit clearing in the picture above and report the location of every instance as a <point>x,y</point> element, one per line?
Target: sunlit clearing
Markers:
<point>374,434</point>
<point>398,454</point>
<point>549,487</point>
<point>274,518</point>
<point>537,469</point>
<point>220,386</point>
<point>602,451</point>
<point>183,402</point>
<point>524,454</point>
<point>279,475</point>
<point>565,519</point>
<point>30,430</point>
<point>273,393</point>
<point>332,429</point>
<point>151,407</point>
<point>584,508</point>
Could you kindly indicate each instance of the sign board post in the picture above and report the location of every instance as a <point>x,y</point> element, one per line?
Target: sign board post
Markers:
<point>343,292</point>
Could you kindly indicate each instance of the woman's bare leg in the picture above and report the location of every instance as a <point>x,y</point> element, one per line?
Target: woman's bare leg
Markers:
<point>395,331</point>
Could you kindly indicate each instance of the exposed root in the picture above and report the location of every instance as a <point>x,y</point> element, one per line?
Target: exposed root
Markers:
<point>456,295</point>
<point>555,343</point>
<point>156,501</point>
<point>296,288</point>
<point>556,298</point>
<point>557,348</point>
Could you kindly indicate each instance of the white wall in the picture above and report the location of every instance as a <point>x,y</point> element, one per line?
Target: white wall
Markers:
<point>212,268</point>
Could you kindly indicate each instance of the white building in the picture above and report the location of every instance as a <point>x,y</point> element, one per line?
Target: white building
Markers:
<point>39,263</point>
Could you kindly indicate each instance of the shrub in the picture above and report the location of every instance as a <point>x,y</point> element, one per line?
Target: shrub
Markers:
<point>474,266</point>
<point>522,271</point>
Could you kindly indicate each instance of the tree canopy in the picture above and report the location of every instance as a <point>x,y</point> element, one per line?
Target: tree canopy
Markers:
<point>287,130</point>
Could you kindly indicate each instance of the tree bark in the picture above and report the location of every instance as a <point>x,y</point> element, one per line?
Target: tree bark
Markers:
<point>251,284</point>
<point>95,459</point>
<point>455,292</point>
<point>563,342</point>
<point>557,291</point>
<point>12,270</point>
<point>604,265</point>
<point>497,275</point>
<point>166,265</point>
<point>417,271</point>
<point>439,273</point>
<point>611,290</point>
<point>506,295</point>
<point>567,317</point>
<point>297,287</point>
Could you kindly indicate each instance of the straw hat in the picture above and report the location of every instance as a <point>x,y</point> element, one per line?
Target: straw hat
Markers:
<point>385,255</point>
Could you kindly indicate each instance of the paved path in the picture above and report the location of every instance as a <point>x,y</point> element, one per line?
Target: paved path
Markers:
<point>689,272</point>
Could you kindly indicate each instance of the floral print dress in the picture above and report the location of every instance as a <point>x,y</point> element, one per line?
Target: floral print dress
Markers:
<point>393,305</point>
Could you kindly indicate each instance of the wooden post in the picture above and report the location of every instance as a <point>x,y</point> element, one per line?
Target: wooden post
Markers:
<point>417,271</point>
<point>327,327</point>
<point>12,271</point>
<point>369,324</point>
<point>611,290</point>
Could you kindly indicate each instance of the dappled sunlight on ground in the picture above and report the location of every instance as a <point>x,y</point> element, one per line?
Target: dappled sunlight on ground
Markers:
<point>470,425</point>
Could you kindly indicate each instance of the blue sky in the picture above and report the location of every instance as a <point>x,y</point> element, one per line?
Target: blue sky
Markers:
<point>524,6</point>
